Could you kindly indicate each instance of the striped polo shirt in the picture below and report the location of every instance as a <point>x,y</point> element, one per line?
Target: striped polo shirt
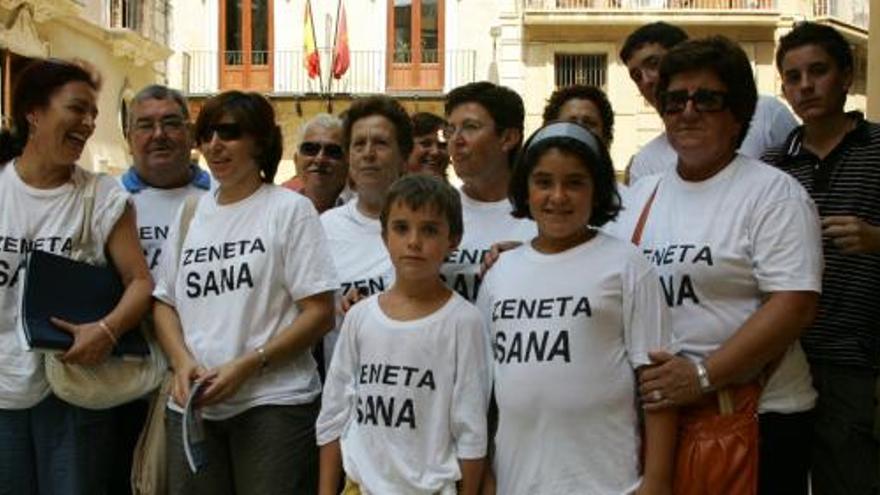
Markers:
<point>846,182</point>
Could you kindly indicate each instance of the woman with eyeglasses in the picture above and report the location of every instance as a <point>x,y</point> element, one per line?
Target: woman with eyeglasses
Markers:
<point>46,444</point>
<point>239,304</point>
<point>737,246</point>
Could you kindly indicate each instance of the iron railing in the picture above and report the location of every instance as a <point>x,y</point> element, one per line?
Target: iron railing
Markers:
<point>649,5</point>
<point>149,18</point>
<point>366,73</point>
<point>853,12</point>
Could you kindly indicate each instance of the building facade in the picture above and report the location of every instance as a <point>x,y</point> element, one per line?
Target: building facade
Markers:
<point>419,49</point>
<point>125,40</point>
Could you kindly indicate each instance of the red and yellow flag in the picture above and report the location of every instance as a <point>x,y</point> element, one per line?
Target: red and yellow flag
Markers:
<point>311,59</point>
<point>341,55</point>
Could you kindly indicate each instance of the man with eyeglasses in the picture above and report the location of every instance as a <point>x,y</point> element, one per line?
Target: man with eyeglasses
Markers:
<point>835,155</point>
<point>642,53</point>
<point>321,166</point>
<point>484,132</point>
<point>159,180</point>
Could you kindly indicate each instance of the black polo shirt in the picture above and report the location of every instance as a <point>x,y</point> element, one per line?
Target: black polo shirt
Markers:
<point>847,182</point>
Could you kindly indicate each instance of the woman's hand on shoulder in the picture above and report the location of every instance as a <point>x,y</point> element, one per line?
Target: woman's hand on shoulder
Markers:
<point>670,381</point>
<point>495,253</point>
<point>91,343</point>
<point>349,299</point>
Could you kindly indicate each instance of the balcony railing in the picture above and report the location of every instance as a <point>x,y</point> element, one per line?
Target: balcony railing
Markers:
<point>366,73</point>
<point>853,12</point>
<point>149,18</point>
<point>649,5</point>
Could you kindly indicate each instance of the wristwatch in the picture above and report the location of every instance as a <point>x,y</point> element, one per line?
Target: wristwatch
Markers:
<point>703,377</point>
<point>264,360</point>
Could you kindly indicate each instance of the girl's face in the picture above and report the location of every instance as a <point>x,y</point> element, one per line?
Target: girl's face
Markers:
<point>61,128</point>
<point>561,191</point>
<point>229,152</point>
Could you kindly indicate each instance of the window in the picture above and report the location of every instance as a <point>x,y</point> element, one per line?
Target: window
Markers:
<point>588,69</point>
<point>415,45</point>
<point>246,44</point>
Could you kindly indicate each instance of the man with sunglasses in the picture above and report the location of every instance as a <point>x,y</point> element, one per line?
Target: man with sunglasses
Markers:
<point>321,166</point>
<point>159,180</point>
<point>642,53</point>
<point>836,156</point>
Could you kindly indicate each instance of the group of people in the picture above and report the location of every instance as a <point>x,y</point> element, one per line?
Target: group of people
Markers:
<point>539,330</point>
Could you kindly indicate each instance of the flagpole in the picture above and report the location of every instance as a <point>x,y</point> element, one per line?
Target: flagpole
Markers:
<point>314,37</point>
<point>333,58</point>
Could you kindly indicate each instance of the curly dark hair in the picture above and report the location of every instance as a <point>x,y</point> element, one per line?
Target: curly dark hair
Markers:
<point>387,107</point>
<point>725,59</point>
<point>662,33</point>
<point>826,37</point>
<point>503,104</point>
<point>582,92</point>
<point>255,115</point>
<point>606,199</point>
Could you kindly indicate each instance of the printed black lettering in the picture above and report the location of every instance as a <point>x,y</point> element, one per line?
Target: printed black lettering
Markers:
<point>193,288</point>
<point>427,380</point>
<point>390,375</point>
<point>560,347</point>
<point>187,256</point>
<point>583,306</point>
<point>705,254</point>
<point>533,346</point>
<point>407,415</point>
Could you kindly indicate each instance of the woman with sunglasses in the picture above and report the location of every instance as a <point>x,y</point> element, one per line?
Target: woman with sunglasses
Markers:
<point>737,246</point>
<point>239,305</point>
<point>46,444</point>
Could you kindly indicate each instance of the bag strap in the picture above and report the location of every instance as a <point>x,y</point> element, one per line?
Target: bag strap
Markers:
<point>643,217</point>
<point>83,241</point>
<point>189,210</point>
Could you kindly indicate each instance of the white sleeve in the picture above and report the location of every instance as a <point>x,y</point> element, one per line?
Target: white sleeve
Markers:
<point>110,203</point>
<point>645,315</point>
<point>786,246</point>
<point>339,398</point>
<point>484,307</point>
<point>169,261</point>
<point>779,126</point>
<point>308,265</point>
<point>470,393</point>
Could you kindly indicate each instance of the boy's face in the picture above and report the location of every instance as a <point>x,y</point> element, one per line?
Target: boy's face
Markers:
<point>417,240</point>
<point>813,83</point>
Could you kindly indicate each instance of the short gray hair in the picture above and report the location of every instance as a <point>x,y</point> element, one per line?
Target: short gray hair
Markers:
<point>158,92</point>
<point>324,120</point>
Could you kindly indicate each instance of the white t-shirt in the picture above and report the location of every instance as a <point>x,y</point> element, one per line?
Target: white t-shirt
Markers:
<point>359,255</point>
<point>407,399</point>
<point>484,225</point>
<point>156,209</point>
<point>46,220</point>
<point>771,125</point>
<point>235,284</point>
<point>568,331</point>
<point>719,246</point>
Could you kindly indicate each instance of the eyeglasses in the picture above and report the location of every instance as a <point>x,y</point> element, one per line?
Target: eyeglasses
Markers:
<point>168,125</point>
<point>705,101</point>
<point>467,128</point>
<point>225,132</point>
<point>331,150</point>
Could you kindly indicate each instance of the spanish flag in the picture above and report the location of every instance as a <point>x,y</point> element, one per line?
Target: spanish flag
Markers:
<point>311,59</point>
<point>341,55</point>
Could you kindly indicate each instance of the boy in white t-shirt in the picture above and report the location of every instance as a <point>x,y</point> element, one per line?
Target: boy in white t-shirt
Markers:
<point>409,377</point>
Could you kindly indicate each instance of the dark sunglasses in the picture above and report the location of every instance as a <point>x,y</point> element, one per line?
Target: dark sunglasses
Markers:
<point>705,100</point>
<point>331,150</point>
<point>226,132</point>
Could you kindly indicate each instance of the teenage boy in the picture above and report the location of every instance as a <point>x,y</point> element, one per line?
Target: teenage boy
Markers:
<point>378,134</point>
<point>642,52</point>
<point>404,405</point>
<point>836,156</point>
<point>484,133</point>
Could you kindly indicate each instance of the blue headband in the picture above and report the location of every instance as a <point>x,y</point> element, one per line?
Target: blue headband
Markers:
<point>565,130</point>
